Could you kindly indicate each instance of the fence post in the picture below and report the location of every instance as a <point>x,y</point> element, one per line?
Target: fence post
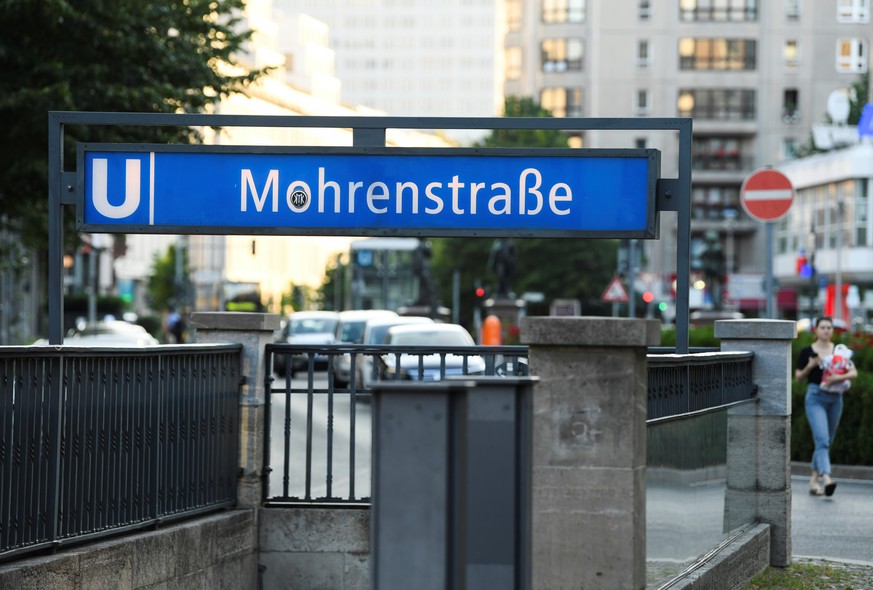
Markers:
<point>759,435</point>
<point>589,450</point>
<point>253,331</point>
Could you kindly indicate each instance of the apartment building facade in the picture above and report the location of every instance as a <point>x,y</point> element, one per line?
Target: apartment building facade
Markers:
<point>754,76</point>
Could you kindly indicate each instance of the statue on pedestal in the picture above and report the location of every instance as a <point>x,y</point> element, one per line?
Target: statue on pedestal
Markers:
<point>502,261</point>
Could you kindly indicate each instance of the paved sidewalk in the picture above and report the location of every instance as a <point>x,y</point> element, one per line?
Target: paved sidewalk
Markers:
<point>836,528</point>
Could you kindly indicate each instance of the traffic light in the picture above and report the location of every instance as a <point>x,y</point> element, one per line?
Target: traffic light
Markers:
<point>648,296</point>
<point>481,295</point>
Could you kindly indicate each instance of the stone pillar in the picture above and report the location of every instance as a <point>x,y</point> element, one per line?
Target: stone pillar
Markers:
<point>589,450</point>
<point>254,331</point>
<point>759,435</point>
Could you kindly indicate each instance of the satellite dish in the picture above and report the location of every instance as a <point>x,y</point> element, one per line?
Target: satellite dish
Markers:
<point>838,107</point>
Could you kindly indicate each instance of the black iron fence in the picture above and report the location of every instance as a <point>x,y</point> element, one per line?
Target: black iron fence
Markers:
<point>314,461</point>
<point>97,441</point>
<point>318,412</point>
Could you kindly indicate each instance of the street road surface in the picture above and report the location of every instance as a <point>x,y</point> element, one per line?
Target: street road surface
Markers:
<point>320,429</point>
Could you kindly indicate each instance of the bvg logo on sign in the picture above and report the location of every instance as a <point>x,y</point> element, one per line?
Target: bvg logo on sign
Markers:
<point>119,188</point>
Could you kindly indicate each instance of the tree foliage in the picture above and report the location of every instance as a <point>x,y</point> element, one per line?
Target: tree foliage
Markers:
<point>524,107</point>
<point>164,289</point>
<point>104,56</point>
<point>557,267</point>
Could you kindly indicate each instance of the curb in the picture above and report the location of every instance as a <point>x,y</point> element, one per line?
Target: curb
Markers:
<point>837,471</point>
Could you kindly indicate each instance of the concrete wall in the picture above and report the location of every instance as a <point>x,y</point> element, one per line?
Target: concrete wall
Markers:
<point>315,548</point>
<point>214,552</point>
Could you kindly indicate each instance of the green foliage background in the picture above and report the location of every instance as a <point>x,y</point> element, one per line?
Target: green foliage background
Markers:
<point>854,441</point>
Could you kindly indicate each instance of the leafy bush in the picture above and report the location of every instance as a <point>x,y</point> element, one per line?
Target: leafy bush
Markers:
<point>854,442</point>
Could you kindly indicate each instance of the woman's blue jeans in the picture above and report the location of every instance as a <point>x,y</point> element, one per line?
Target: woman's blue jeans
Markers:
<point>823,412</point>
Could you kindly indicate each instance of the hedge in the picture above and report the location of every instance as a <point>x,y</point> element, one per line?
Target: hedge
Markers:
<point>854,442</point>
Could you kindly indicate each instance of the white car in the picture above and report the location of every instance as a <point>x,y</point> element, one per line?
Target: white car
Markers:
<point>306,327</point>
<point>430,367</point>
<point>350,330</point>
<point>109,333</point>
<point>374,334</point>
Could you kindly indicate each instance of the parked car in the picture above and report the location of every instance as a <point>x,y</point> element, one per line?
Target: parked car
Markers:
<point>306,327</point>
<point>374,334</point>
<point>350,330</point>
<point>107,333</point>
<point>428,367</point>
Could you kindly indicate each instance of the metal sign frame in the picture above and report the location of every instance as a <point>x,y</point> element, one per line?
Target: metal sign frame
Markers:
<point>64,186</point>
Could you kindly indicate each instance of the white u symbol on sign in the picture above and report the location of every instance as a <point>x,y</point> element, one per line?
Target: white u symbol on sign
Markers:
<point>100,191</point>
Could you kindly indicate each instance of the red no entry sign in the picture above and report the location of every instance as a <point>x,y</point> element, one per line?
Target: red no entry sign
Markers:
<point>766,195</point>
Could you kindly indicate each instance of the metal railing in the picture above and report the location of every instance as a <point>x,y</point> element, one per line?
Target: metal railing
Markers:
<point>681,384</point>
<point>97,441</point>
<point>341,392</point>
<point>315,461</point>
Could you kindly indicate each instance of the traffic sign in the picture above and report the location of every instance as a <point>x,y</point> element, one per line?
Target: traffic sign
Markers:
<point>766,195</point>
<point>615,292</point>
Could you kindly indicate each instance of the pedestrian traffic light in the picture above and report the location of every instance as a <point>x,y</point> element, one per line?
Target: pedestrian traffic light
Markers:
<point>480,293</point>
<point>648,296</point>
<point>662,306</point>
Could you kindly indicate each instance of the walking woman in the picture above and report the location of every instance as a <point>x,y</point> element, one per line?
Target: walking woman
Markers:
<point>823,408</point>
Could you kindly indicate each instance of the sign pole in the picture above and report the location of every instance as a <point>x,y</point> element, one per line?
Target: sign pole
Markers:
<point>771,296</point>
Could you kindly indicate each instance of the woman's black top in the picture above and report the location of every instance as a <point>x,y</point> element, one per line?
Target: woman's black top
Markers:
<point>815,375</point>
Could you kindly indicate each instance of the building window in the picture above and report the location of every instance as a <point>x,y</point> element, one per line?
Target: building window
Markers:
<point>789,148</point>
<point>716,153</point>
<point>513,63</point>
<point>790,105</point>
<point>562,102</point>
<point>644,54</point>
<point>717,54</point>
<point>792,10</point>
<point>709,203</point>
<point>643,106</point>
<point>645,9</point>
<point>513,15</point>
<point>791,54</point>
<point>563,11</point>
<point>718,10</point>
<point>717,104</point>
<point>851,56</point>
<point>853,11</point>
<point>561,55</point>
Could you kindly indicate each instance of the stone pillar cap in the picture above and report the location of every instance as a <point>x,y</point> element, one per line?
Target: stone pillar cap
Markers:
<point>756,329</point>
<point>234,320</point>
<point>590,331</point>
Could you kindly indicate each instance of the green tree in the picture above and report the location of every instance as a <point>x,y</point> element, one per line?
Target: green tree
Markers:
<point>165,287</point>
<point>524,107</point>
<point>557,267</point>
<point>161,56</point>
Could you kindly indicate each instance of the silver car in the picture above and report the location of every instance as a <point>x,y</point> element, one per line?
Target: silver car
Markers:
<point>350,330</point>
<point>306,327</point>
<point>374,334</point>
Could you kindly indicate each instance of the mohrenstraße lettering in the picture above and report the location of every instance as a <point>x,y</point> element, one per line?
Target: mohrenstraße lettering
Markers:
<point>464,197</point>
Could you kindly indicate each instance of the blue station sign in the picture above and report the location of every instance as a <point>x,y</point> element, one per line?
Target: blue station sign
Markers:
<point>124,188</point>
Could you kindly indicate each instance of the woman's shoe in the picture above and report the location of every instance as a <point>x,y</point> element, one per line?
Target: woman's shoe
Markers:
<point>816,492</point>
<point>830,488</point>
